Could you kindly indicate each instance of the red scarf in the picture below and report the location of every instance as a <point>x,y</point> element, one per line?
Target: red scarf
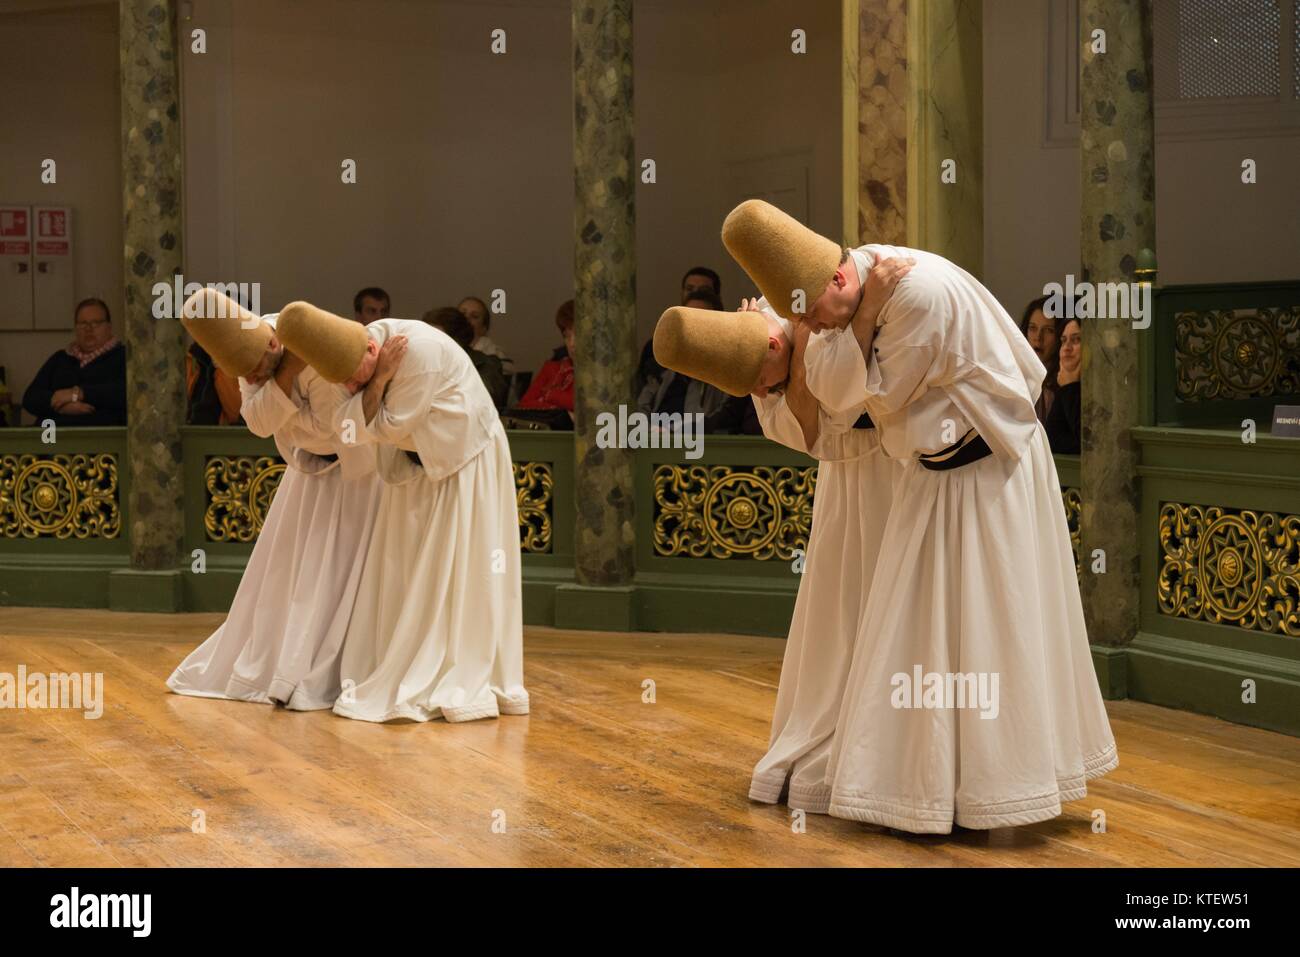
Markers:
<point>86,358</point>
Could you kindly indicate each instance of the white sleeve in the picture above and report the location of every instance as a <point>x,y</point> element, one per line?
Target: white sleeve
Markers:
<point>908,356</point>
<point>403,408</point>
<point>265,408</point>
<point>316,416</point>
<point>779,423</point>
<point>836,371</point>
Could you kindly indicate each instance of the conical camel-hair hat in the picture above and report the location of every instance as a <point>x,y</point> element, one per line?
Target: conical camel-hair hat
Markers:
<point>234,337</point>
<point>330,344</point>
<point>724,349</point>
<point>780,254</point>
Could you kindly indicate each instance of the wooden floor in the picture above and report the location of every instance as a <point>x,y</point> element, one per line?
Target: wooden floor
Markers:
<point>592,777</point>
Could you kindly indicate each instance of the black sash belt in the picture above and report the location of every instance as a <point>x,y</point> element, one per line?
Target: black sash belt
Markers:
<point>971,448</point>
<point>864,422</point>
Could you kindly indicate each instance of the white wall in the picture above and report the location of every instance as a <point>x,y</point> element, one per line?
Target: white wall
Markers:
<point>1031,191</point>
<point>59,100</point>
<point>717,86</point>
<point>1209,226</point>
<point>465,178</point>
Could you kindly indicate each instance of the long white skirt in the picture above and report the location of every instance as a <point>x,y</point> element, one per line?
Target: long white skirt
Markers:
<point>283,636</point>
<point>437,630</point>
<point>976,578</point>
<point>849,513</point>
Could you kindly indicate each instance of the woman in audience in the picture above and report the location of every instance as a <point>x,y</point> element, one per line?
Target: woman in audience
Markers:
<point>1063,420</point>
<point>458,326</point>
<point>480,320</point>
<point>1041,333</point>
<point>552,387</point>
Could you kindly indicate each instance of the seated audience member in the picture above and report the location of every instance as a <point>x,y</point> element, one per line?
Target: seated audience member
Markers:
<point>552,387</point>
<point>673,393</point>
<point>370,304</point>
<point>1064,419</point>
<point>212,396</point>
<point>84,384</point>
<point>451,321</point>
<point>480,319</point>
<point>697,279</point>
<point>1041,333</point>
<point>700,279</point>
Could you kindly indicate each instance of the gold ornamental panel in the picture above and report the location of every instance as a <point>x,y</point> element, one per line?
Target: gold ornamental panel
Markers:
<point>1236,353</point>
<point>1231,566</point>
<point>1073,500</point>
<point>534,493</point>
<point>59,496</point>
<point>756,512</point>
<point>239,493</point>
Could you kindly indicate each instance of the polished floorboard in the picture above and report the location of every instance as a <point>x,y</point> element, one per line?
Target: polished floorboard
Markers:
<point>595,776</point>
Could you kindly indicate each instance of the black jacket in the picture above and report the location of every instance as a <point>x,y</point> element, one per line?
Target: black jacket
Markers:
<point>102,382</point>
<point>1063,420</point>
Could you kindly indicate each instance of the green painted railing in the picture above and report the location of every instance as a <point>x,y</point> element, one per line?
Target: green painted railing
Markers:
<point>1218,354</point>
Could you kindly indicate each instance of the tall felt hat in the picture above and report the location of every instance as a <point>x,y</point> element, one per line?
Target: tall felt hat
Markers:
<point>780,254</point>
<point>330,344</point>
<point>234,337</point>
<point>724,349</point>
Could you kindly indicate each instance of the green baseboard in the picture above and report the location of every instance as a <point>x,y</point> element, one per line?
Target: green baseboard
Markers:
<point>1111,665</point>
<point>594,608</point>
<point>1208,679</point>
<point>732,606</point>
<point>55,581</point>
<point>657,602</point>
<point>131,589</point>
<point>214,589</point>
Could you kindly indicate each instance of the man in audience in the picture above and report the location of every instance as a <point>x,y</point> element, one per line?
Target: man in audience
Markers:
<point>697,279</point>
<point>700,279</point>
<point>480,319</point>
<point>84,384</point>
<point>370,304</point>
<point>453,322</point>
<point>676,393</point>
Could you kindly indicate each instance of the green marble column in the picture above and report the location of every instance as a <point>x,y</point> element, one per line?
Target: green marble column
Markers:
<point>945,114</point>
<point>151,237</point>
<point>1118,220</point>
<point>604,219</point>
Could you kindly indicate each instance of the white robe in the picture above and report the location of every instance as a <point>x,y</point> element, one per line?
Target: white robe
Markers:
<point>437,630</point>
<point>283,636</point>
<point>854,482</point>
<point>976,578</point>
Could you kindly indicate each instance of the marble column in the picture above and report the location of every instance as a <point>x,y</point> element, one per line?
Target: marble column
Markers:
<point>945,144</point>
<point>1116,143</point>
<point>876,39</point>
<point>605,172</point>
<point>151,236</point>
